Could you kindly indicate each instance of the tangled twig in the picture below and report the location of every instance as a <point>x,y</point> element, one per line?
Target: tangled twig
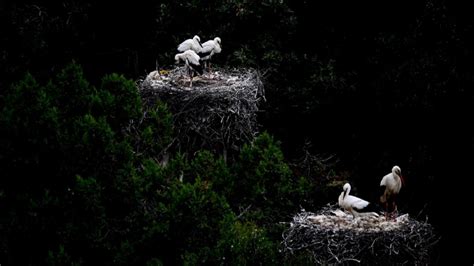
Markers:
<point>335,237</point>
<point>218,113</point>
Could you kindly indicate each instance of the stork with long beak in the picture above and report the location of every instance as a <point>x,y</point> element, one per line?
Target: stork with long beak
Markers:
<point>192,61</point>
<point>191,44</point>
<point>209,49</point>
<point>350,203</point>
<point>393,182</point>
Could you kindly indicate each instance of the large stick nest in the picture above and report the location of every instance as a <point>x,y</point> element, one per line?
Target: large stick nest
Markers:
<point>333,236</point>
<point>218,113</point>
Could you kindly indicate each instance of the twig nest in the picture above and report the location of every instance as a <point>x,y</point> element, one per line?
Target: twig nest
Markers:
<point>333,236</point>
<point>219,112</point>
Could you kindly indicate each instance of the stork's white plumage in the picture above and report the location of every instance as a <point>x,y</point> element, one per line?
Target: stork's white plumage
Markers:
<point>192,62</point>
<point>351,203</point>
<point>393,183</point>
<point>210,48</point>
<point>191,44</point>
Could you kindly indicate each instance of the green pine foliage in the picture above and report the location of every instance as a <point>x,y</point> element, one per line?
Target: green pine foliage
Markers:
<point>82,183</point>
<point>121,101</point>
<point>72,92</point>
<point>265,181</point>
<point>242,242</point>
<point>61,157</point>
<point>195,212</point>
<point>156,130</point>
<point>211,169</point>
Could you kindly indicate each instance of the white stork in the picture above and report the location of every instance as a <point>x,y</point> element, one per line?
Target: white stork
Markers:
<point>393,183</point>
<point>351,203</point>
<point>191,44</point>
<point>191,60</point>
<point>210,48</point>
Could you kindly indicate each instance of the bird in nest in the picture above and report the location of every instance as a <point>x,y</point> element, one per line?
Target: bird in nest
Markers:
<point>192,62</point>
<point>392,182</point>
<point>356,206</point>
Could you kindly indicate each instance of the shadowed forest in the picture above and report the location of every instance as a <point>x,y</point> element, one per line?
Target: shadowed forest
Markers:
<point>351,90</point>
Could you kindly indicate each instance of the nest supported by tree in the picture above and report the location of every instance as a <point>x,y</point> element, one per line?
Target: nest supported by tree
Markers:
<point>218,113</point>
<point>333,236</point>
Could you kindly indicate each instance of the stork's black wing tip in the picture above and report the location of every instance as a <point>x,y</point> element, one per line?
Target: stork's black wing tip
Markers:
<point>198,68</point>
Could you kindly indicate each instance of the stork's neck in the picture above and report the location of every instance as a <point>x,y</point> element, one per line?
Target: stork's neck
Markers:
<point>395,174</point>
<point>346,192</point>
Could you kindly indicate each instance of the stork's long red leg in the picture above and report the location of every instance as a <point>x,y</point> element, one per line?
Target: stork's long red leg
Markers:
<point>395,210</point>
<point>392,214</point>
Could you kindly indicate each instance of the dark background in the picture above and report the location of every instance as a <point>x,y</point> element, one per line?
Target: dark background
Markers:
<point>376,84</point>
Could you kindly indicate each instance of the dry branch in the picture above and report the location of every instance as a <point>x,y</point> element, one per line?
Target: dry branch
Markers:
<point>218,113</point>
<point>336,237</point>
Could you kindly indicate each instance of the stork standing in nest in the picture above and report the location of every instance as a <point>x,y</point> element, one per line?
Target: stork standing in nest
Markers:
<point>210,48</point>
<point>352,204</point>
<point>191,44</point>
<point>393,183</point>
<point>192,62</point>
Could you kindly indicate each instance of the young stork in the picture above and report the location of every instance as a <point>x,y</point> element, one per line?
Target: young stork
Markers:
<point>210,48</point>
<point>350,203</point>
<point>393,183</point>
<point>191,60</point>
<point>191,44</point>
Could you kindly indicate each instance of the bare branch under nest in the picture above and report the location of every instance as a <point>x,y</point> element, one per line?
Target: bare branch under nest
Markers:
<point>218,113</point>
<point>336,237</point>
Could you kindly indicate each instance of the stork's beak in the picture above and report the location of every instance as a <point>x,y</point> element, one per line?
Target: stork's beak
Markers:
<point>403,180</point>
<point>200,44</point>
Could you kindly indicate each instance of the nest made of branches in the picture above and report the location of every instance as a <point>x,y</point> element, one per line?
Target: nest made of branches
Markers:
<point>333,236</point>
<point>218,113</point>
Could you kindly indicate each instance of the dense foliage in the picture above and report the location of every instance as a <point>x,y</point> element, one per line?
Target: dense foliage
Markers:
<point>76,190</point>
